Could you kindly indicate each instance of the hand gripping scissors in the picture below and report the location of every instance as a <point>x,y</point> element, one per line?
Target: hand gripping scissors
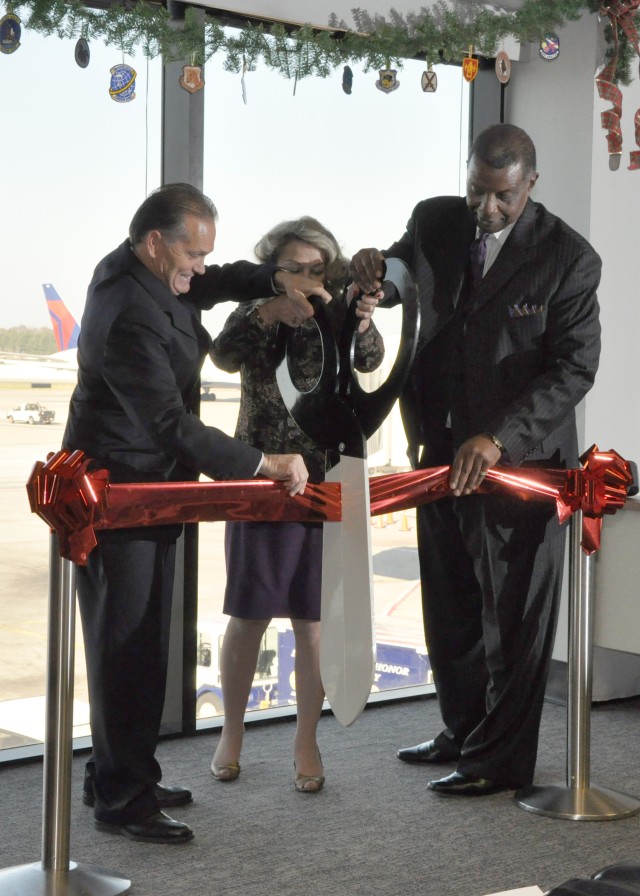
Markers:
<point>339,415</point>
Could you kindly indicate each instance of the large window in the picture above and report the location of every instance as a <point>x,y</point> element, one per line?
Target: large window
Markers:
<point>76,165</point>
<point>359,163</point>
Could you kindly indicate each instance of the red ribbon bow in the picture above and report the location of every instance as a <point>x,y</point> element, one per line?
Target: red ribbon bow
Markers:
<point>76,501</point>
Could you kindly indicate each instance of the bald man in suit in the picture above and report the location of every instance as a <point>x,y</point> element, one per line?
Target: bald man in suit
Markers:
<point>509,346</point>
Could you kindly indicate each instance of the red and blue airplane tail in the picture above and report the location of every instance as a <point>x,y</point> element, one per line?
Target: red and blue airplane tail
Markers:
<point>65,328</point>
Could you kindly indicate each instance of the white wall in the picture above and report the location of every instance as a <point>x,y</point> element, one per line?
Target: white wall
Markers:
<point>553,102</point>
<point>613,405</point>
<point>558,104</point>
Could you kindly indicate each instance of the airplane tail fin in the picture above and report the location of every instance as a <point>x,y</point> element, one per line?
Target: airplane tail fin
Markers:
<point>65,328</point>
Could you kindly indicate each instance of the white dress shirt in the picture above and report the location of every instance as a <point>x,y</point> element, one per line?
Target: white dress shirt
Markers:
<point>495,242</point>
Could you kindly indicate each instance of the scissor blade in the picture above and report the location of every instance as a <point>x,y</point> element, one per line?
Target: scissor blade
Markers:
<point>347,651</point>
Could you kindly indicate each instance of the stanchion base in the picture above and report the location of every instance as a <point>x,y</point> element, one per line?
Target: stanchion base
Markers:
<point>577,804</point>
<point>79,880</point>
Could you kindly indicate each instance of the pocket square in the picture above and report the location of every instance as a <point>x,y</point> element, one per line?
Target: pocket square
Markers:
<point>524,310</point>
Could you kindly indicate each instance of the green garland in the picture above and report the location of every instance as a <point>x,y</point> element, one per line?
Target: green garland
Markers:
<point>441,35</point>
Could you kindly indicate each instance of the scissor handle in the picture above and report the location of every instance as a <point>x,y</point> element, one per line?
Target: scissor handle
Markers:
<point>337,413</point>
<point>371,408</point>
<point>314,411</point>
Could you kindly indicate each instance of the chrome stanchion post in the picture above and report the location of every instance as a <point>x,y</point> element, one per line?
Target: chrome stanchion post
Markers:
<point>580,661</point>
<point>579,800</point>
<point>56,803</point>
<point>55,875</point>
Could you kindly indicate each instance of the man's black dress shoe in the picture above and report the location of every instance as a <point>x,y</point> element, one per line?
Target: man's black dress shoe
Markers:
<point>459,784</point>
<point>160,828</point>
<point>426,752</point>
<point>168,797</point>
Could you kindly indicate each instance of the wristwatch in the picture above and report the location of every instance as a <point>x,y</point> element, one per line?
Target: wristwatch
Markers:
<point>496,441</point>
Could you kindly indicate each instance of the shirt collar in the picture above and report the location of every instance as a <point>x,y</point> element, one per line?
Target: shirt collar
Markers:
<point>500,236</point>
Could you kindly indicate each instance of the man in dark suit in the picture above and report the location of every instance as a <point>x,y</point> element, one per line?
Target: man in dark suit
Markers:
<point>509,345</point>
<point>140,351</point>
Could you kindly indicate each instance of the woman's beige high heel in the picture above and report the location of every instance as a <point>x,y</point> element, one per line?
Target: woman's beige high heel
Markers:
<point>227,772</point>
<point>308,783</point>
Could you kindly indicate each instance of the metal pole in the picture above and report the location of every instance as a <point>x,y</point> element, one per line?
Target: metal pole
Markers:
<point>580,662</point>
<point>55,875</point>
<point>59,713</point>
<point>579,800</point>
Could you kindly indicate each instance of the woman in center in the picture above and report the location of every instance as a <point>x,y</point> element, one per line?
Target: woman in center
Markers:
<point>274,569</point>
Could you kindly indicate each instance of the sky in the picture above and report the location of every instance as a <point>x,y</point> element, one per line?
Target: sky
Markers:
<point>76,164</point>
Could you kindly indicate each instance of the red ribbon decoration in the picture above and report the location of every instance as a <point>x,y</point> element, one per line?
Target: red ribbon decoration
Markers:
<point>635,155</point>
<point>599,488</point>
<point>621,14</point>
<point>75,501</point>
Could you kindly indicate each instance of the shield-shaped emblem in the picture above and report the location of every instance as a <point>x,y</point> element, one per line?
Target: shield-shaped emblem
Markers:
<point>10,32</point>
<point>388,81</point>
<point>503,67</point>
<point>429,81</point>
<point>469,68</point>
<point>550,46</point>
<point>123,83</point>
<point>192,78</point>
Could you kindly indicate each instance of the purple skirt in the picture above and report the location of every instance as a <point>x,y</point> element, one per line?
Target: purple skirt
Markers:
<point>274,570</point>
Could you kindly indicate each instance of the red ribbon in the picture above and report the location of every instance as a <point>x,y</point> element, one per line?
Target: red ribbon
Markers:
<point>621,14</point>
<point>635,155</point>
<point>599,488</point>
<point>75,501</point>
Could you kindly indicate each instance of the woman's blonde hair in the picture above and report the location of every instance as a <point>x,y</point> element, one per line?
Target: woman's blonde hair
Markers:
<point>308,230</point>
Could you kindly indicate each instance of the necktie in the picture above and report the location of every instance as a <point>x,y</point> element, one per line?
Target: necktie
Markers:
<point>477,256</point>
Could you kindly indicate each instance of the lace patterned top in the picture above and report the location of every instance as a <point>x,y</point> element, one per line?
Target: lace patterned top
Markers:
<point>263,420</point>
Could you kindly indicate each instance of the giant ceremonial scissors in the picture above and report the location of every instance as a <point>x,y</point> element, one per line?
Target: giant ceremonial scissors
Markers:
<point>339,415</point>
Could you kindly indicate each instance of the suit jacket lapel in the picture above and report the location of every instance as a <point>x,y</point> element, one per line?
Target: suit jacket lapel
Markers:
<point>180,315</point>
<point>441,263</point>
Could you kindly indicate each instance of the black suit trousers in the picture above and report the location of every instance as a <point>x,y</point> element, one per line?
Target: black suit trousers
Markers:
<point>491,570</point>
<point>125,594</point>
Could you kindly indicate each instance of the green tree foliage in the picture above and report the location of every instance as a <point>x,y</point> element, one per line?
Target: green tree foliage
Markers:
<point>442,33</point>
<point>28,340</point>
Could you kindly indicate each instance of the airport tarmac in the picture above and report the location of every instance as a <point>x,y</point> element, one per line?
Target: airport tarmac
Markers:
<point>24,564</point>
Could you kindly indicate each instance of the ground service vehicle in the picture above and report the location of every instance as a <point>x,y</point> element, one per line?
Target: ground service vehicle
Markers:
<point>274,683</point>
<point>31,412</point>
